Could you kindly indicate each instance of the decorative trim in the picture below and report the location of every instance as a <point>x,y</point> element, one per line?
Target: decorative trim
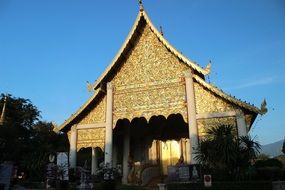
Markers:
<point>90,126</point>
<point>216,115</point>
<point>153,85</point>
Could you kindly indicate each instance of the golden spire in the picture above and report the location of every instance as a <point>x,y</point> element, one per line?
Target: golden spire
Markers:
<point>2,118</point>
<point>141,5</point>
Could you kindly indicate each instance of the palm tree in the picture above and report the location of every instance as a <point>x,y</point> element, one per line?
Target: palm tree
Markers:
<point>218,149</point>
<point>224,143</point>
<point>247,153</point>
<point>205,153</point>
<point>222,150</point>
<point>249,147</point>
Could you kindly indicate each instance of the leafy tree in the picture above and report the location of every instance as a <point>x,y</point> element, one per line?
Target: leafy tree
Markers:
<point>26,140</point>
<point>15,134</point>
<point>44,142</point>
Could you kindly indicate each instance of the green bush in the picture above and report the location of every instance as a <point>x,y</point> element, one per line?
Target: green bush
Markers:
<point>252,185</point>
<point>269,163</point>
<point>281,158</point>
<point>270,173</point>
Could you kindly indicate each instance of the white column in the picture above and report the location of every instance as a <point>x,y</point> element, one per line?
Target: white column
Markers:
<point>109,126</point>
<point>154,152</point>
<point>184,149</point>
<point>73,147</point>
<point>126,153</point>
<point>241,124</point>
<point>188,151</point>
<point>94,163</point>
<point>191,109</point>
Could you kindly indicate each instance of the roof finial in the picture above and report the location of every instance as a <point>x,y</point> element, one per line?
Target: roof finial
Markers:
<point>89,86</point>
<point>141,5</point>
<point>161,31</point>
<point>208,67</point>
<point>263,108</point>
<point>2,118</point>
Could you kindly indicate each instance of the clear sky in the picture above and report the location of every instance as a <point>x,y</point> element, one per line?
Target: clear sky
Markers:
<point>50,48</point>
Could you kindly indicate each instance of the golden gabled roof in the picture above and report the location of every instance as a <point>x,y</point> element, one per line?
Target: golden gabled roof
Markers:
<point>143,15</point>
<point>125,47</point>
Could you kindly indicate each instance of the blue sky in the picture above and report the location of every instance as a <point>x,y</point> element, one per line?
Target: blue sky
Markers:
<point>50,48</point>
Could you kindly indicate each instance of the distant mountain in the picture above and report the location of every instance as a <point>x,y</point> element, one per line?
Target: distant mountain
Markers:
<point>273,149</point>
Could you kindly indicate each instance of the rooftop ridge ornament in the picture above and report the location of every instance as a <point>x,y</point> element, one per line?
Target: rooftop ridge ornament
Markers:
<point>263,108</point>
<point>161,31</point>
<point>89,87</point>
<point>141,5</point>
<point>208,68</point>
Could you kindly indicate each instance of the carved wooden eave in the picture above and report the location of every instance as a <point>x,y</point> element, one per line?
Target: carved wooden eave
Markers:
<point>227,97</point>
<point>128,44</point>
<point>67,123</point>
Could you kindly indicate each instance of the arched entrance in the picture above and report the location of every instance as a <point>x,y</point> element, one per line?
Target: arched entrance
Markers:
<point>90,158</point>
<point>159,141</point>
<point>168,140</point>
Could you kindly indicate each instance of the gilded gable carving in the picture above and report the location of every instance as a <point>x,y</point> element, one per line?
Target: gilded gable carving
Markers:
<point>162,99</point>
<point>149,82</point>
<point>204,124</point>
<point>149,61</point>
<point>90,138</point>
<point>96,114</point>
<point>207,102</point>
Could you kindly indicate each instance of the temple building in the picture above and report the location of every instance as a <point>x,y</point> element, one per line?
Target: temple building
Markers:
<point>152,105</point>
